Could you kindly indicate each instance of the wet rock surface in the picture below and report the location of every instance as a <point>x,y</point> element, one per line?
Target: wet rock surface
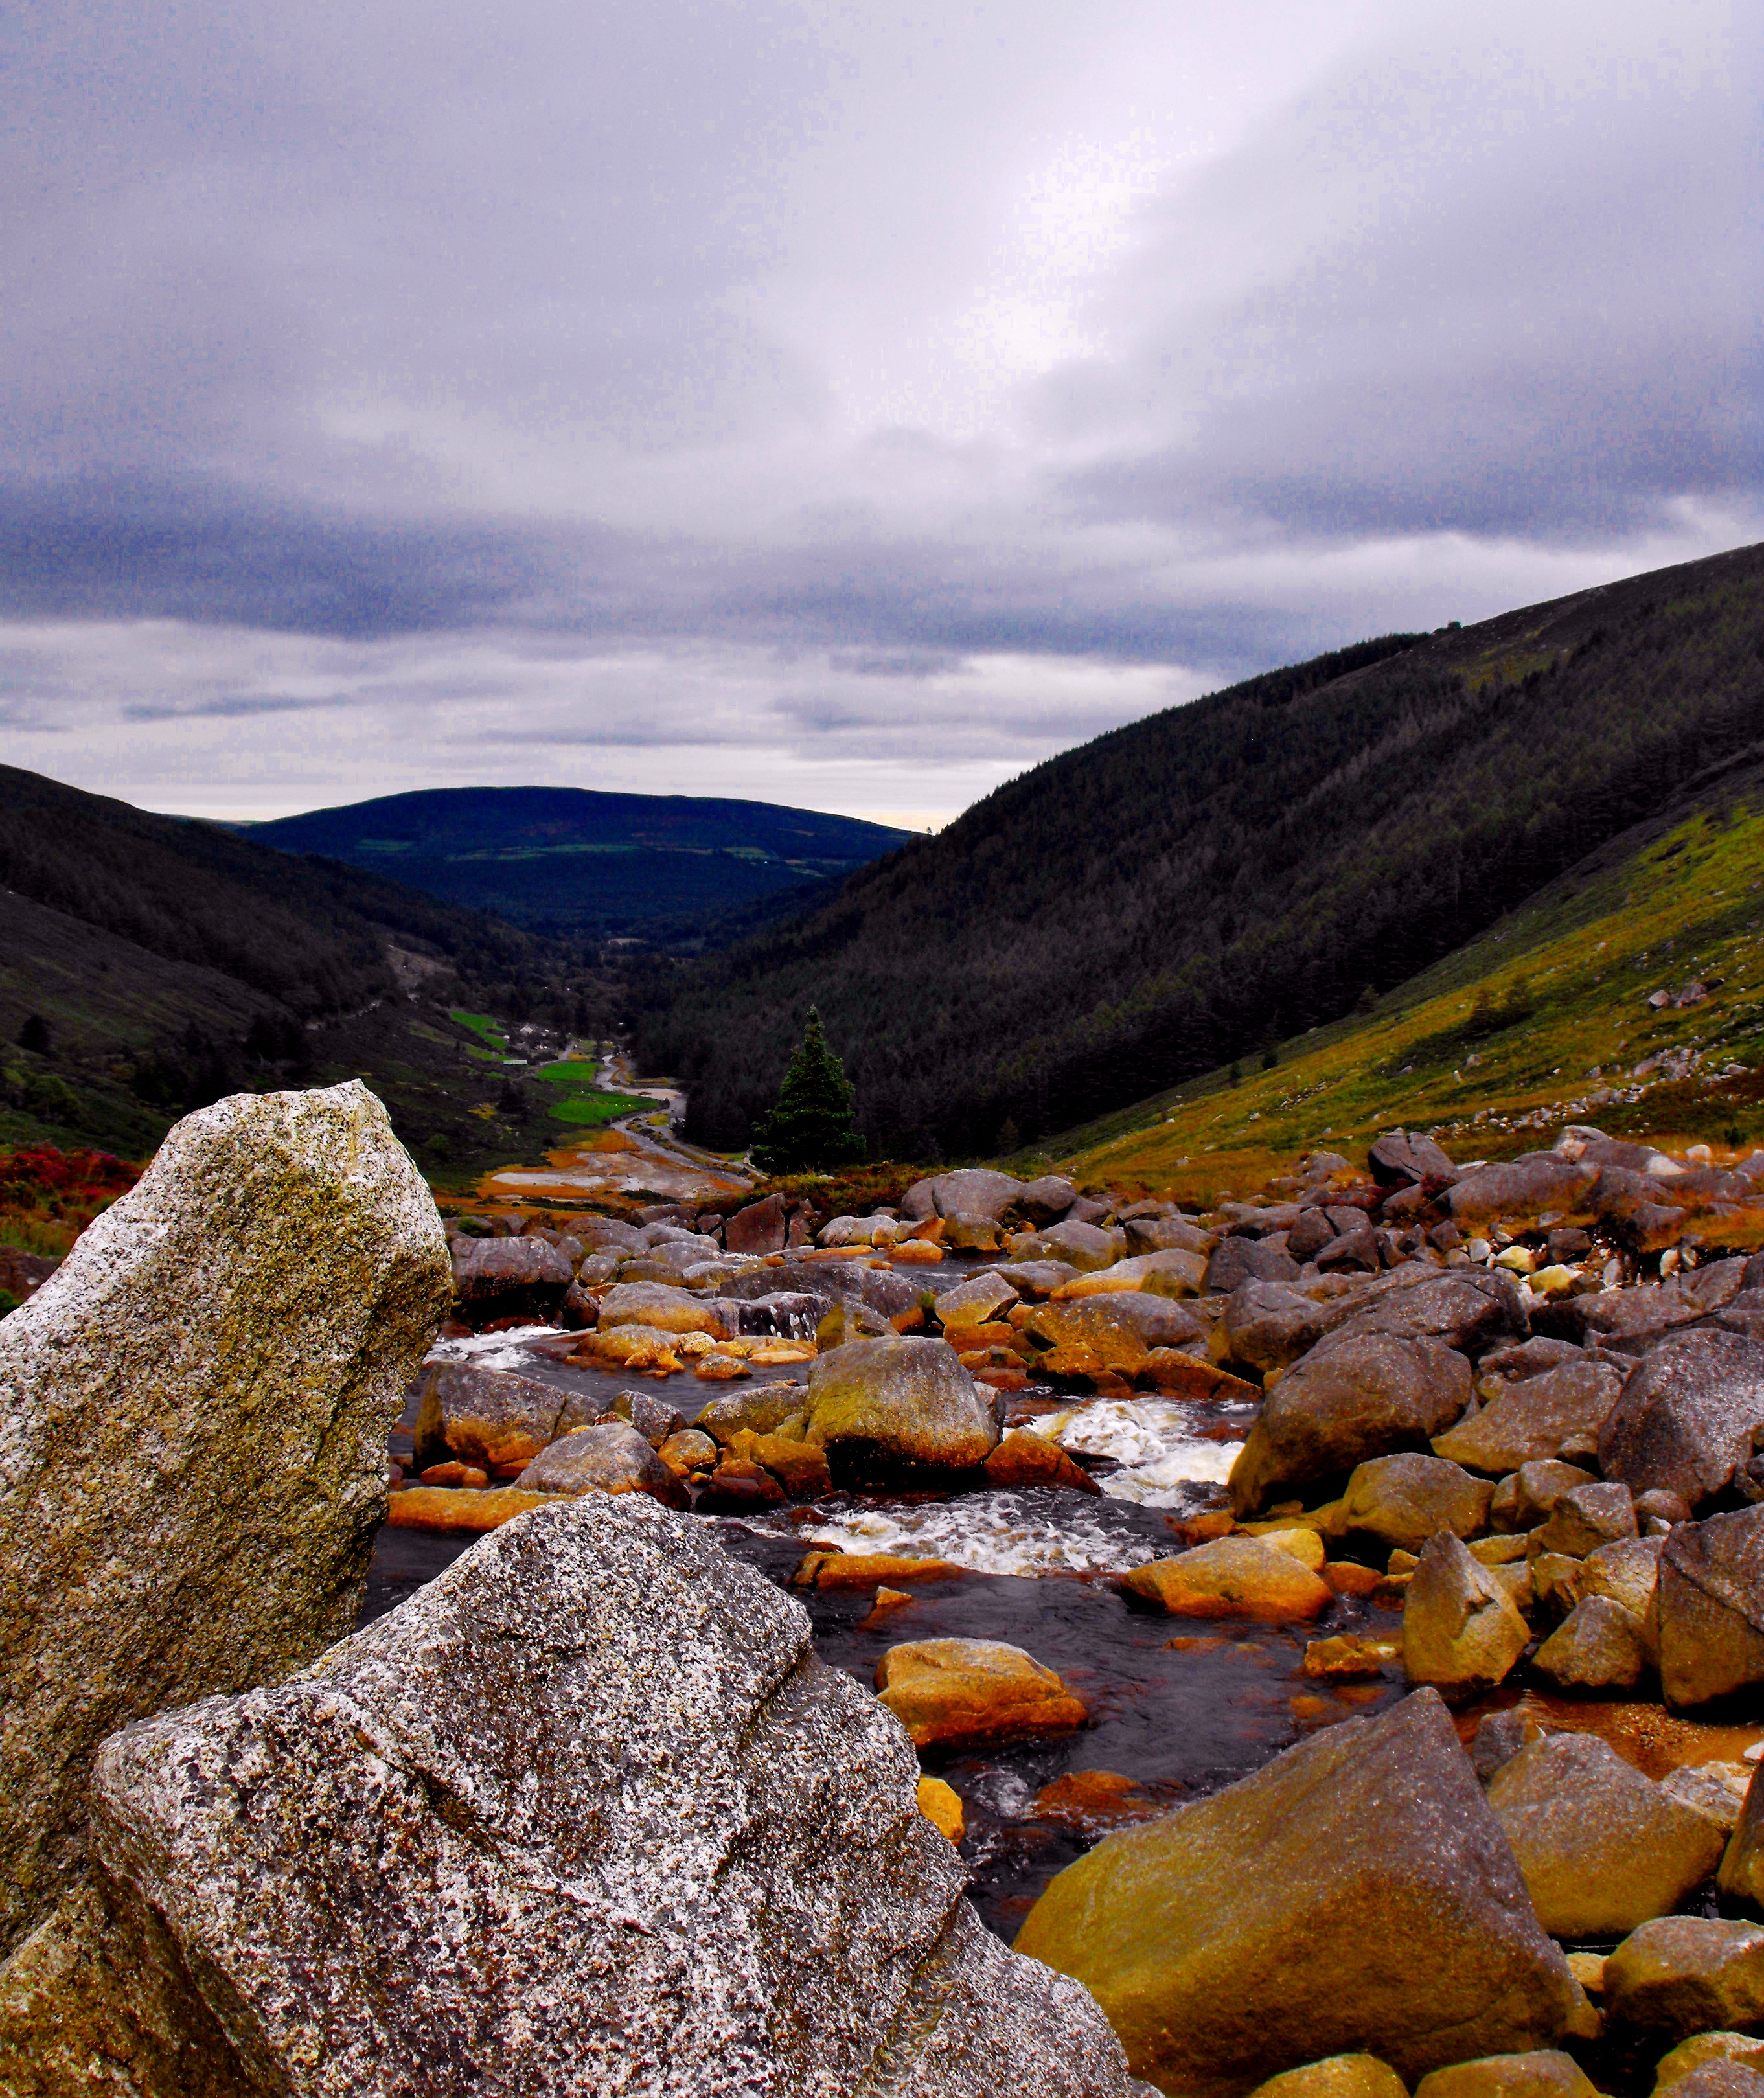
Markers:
<point>578,1872</point>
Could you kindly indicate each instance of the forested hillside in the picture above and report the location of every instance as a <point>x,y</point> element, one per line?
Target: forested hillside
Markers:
<point>1187,889</point>
<point>672,868</point>
<point>149,964</point>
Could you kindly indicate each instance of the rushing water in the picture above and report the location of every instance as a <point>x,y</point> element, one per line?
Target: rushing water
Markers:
<point>1177,1709</point>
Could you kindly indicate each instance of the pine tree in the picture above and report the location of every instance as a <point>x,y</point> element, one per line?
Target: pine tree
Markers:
<point>810,1130</point>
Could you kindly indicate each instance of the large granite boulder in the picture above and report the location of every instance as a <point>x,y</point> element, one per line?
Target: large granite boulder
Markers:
<point>1684,1974</point>
<point>611,1457</point>
<point>896,1409</point>
<point>1709,1607</point>
<point>1398,1502</point>
<point>1527,1188</point>
<point>193,1420</point>
<point>1601,1847</point>
<point>1400,1160</point>
<point>960,1694</point>
<point>1469,1309</point>
<point>658,1304</point>
<point>1351,1399</point>
<point>759,1228</point>
<point>487,1270</point>
<point>1239,1260</point>
<point>593,1818</point>
<point>1534,1420</point>
<point>1356,1895</point>
<point>1684,1420</point>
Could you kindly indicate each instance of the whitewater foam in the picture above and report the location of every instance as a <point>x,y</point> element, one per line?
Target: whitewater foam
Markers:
<point>1161,1458</point>
<point>1031,1531</point>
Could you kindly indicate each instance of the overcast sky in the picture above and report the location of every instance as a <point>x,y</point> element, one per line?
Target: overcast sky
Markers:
<point>823,401</point>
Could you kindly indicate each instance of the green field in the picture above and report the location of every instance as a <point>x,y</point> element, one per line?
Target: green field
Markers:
<point>481,1025</point>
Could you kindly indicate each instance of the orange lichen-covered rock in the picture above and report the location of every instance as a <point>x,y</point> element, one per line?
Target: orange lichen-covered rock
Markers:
<point>799,1467</point>
<point>452,1507</point>
<point>1233,1576</point>
<point>956,1693</point>
<point>1024,1458</point>
<point>865,1570</point>
<point>1186,1375</point>
<point>941,1804</point>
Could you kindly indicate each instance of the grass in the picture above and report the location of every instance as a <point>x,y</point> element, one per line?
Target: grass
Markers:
<point>481,1025</point>
<point>1545,1020</point>
<point>592,1109</point>
<point>574,1071</point>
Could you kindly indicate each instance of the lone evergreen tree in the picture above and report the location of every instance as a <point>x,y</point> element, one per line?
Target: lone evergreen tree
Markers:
<point>810,1130</point>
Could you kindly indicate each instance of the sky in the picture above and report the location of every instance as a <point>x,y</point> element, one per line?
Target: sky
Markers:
<point>840,404</point>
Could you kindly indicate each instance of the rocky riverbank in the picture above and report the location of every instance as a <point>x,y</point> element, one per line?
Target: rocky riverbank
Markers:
<point>1328,1629</point>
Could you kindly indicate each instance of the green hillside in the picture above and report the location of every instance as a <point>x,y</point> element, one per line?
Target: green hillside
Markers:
<point>1144,909</point>
<point>1627,993</point>
<point>673,869</point>
<point>148,965</point>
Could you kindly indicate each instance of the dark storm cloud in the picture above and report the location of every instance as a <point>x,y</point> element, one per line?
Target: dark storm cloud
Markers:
<point>806,361</point>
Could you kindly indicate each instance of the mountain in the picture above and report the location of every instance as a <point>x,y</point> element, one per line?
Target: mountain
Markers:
<point>1624,994</point>
<point>148,963</point>
<point>667,868</point>
<point>1179,893</point>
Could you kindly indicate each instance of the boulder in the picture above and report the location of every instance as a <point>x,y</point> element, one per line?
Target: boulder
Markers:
<point>1525,1500</point>
<point>969,1234</point>
<point>895,1409</point>
<point>1701,2049</point>
<point>1599,1645</point>
<point>1173,1273</point>
<point>1356,1399</point>
<point>1401,1501</point>
<point>959,1694</point>
<point>658,1305</point>
<point>799,1467</point>
<point>1461,1630</point>
<point>1709,1605</point>
<point>1628,1572</point>
<point>1525,1190</point>
<point>591,1794</point>
<point>488,1417</point>
<point>1044,1200</point>
<point>610,1458</point>
<point>606,1234</point>
<point>1498,1738</point>
<point>1585,1518</point>
<point>1741,1876</point>
<point>1232,1576</point>
<point>1533,1421</point>
<point>1081,1245</point>
<point>1268,1325</point>
<point>1470,1310</point>
<point>1356,1894</point>
<point>652,1418</point>
<point>759,1228</point>
<point>1602,1848</point>
<point>1684,1974</point>
<point>1715,1789</point>
<point>1241,1260</point>
<point>451,1509</point>
<point>974,1191</point>
<point>973,1302</point>
<point>1398,1160</point>
<point>1684,1421</point>
<point>1304,1241</point>
<point>941,1806</point>
<point>194,1412</point>
<point>485,1269</point>
<point>1024,1458</point>
<point>1547,2072</point>
<point>1341,2076</point>
<point>1162,1233</point>
<point>764,1409</point>
<point>1078,1336</point>
<point>689,1451</point>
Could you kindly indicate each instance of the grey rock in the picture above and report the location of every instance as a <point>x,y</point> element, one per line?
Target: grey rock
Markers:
<point>1044,1200</point>
<point>973,1302</point>
<point>1401,1501</point>
<point>591,1792</point>
<point>1684,1974</point>
<point>1525,1499</point>
<point>1534,1420</point>
<point>1398,1160</point>
<point>1524,1190</point>
<point>1498,1738</point>
<point>1603,1849</point>
<point>1599,1645</point>
<point>1165,1234</point>
<point>1717,1790</point>
<point>485,1269</point>
<point>1086,1247</point>
<point>609,1458</point>
<point>1241,1260</point>
<point>1309,1236</point>
<point>1585,1518</point>
<point>488,1417</point>
<point>1367,1397</point>
<point>899,1407</point>
<point>1462,1632</point>
<point>193,1419</point>
<point>606,1234</point>
<point>652,1418</point>
<point>1685,1419</point>
<point>1709,1607</point>
<point>975,1191</point>
<point>1626,1571</point>
<point>1741,1876</point>
<point>1364,1869</point>
<point>759,1228</point>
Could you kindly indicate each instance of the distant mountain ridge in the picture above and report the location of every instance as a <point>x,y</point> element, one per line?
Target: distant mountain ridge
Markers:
<point>1190,888</point>
<point>570,860</point>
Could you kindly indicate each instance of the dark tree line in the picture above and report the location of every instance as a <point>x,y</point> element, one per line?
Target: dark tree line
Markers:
<point>1185,891</point>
